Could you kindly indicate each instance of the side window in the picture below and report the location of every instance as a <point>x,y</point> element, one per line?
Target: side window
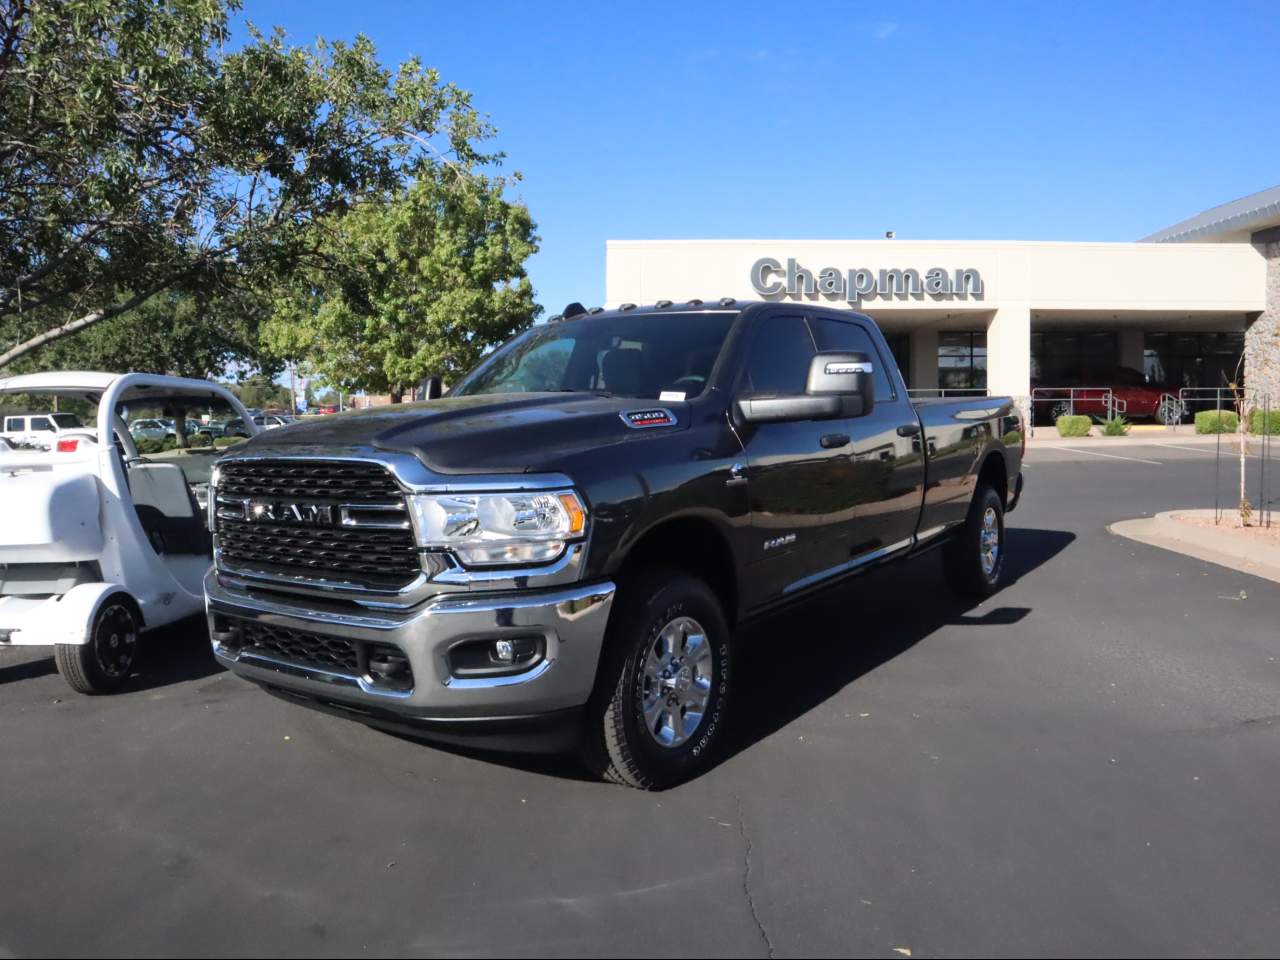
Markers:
<point>850,337</point>
<point>41,423</point>
<point>14,425</point>
<point>780,355</point>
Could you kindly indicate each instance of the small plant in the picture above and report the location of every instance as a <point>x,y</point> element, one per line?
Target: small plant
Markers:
<point>1077,425</point>
<point>1217,421</point>
<point>1262,421</point>
<point>221,442</point>
<point>1012,439</point>
<point>1116,426</point>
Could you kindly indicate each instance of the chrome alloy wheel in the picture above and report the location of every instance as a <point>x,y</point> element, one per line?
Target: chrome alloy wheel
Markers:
<point>990,541</point>
<point>677,682</point>
<point>116,641</point>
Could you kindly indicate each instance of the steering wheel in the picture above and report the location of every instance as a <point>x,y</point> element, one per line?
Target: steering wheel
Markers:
<point>693,383</point>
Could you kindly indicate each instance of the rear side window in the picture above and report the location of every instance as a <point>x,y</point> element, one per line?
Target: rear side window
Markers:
<point>850,337</point>
<point>780,355</point>
<point>14,425</point>
<point>41,423</point>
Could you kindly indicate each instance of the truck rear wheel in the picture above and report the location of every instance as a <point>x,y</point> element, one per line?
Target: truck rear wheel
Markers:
<point>661,698</point>
<point>974,558</point>
<point>106,661</point>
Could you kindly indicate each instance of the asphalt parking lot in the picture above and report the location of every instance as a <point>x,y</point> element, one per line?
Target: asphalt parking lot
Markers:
<point>1088,763</point>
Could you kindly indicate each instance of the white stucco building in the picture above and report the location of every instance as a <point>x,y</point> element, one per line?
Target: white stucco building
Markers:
<point>1178,306</point>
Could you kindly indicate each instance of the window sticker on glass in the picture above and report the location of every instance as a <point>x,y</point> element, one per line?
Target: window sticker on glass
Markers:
<point>669,396</point>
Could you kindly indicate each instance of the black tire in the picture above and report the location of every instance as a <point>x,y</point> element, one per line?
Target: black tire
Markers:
<point>618,742</point>
<point>101,665</point>
<point>962,559</point>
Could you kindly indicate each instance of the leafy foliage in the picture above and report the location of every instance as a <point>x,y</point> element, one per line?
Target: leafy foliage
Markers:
<point>1116,426</point>
<point>1217,421</point>
<point>1077,425</point>
<point>138,157</point>
<point>1264,421</point>
<point>419,284</point>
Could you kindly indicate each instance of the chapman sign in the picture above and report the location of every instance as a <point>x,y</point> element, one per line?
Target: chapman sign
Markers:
<point>770,279</point>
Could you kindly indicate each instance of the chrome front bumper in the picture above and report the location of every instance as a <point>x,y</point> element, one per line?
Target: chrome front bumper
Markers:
<point>570,621</point>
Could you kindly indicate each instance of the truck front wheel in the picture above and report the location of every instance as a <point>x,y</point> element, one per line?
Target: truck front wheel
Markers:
<point>106,661</point>
<point>974,558</point>
<point>661,698</point>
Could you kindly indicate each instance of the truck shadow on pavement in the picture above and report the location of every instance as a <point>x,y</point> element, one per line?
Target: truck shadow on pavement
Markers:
<point>834,638</point>
<point>846,632</point>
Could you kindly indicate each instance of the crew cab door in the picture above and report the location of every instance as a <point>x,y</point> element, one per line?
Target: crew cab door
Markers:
<point>797,471</point>
<point>886,463</point>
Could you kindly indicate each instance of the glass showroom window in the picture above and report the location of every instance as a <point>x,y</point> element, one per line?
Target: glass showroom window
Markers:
<point>962,361</point>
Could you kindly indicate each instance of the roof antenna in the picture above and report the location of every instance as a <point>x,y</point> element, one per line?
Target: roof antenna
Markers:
<point>573,310</point>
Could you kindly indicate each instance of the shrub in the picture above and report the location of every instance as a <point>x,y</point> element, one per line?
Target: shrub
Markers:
<point>1117,426</point>
<point>1217,421</point>
<point>147,445</point>
<point>1272,422</point>
<point>221,442</point>
<point>1074,426</point>
<point>1012,439</point>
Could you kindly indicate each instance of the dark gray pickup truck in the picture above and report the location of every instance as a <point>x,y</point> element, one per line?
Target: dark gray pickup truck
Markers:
<point>559,552</point>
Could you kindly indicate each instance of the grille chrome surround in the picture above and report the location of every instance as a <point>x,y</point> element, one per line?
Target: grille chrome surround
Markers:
<point>382,557</point>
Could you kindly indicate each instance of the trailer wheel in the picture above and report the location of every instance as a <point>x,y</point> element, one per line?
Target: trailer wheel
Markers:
<point>661,698</point>
<point>106,661</point>
<point>973,560</point>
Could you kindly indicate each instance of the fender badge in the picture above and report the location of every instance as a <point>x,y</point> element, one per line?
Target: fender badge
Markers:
<point>652,417</point>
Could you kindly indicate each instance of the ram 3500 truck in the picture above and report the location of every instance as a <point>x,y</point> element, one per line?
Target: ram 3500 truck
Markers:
<point>560,550</point>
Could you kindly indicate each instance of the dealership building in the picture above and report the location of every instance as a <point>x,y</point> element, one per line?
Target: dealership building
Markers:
<point>1180,306</point>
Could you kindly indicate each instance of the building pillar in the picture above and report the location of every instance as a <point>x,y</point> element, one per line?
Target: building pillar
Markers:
<point>1132,346</point>
<point>924,359</point>
<point>1262,339</point>
<point>1009,354</point>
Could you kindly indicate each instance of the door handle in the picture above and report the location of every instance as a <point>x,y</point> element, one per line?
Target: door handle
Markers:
<point>830,441</point>
<point>909,430</point>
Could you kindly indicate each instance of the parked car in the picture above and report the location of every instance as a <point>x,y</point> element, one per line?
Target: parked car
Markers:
<point>558,553</point>
<point>41,431</point>
<point>1121,390</point>
<point>150,429</point>
<point>97,546</point>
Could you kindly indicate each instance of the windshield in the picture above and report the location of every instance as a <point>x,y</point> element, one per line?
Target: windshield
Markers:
<point>647,355</point>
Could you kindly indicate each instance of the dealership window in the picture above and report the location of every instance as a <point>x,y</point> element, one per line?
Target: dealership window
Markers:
<point>1060,358</point>
<point>962,361</point>
<point>1192,359</point>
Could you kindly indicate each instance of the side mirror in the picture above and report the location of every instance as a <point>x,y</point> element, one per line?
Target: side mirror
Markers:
<point>849,376</point>
<point>839,385</point>
<point>429,389</point>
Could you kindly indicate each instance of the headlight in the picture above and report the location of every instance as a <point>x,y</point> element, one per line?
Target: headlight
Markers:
<point>493,528</point>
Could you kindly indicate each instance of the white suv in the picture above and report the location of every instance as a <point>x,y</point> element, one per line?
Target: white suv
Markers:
<point>41,430</point>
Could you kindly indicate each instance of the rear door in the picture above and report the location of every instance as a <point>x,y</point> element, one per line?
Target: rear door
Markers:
<point>886,474</point>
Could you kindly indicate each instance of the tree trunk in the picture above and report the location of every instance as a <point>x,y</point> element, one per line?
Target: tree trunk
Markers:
<point>397,394</point>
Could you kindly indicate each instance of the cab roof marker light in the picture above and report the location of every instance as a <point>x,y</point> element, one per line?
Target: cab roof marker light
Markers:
<point>727,301</point>
<point>556,319</point>
<point>627,306</point>
<point>594,310</point>
<point>695,303</point>
<point>662,304</point>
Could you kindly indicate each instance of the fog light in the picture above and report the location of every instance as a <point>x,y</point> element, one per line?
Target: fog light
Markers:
<point>504,650</point>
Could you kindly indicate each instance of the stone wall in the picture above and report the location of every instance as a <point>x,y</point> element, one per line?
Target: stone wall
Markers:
<point>1262,342</point>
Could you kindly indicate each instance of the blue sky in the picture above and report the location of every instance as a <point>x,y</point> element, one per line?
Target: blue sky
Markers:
<point>840,120</point>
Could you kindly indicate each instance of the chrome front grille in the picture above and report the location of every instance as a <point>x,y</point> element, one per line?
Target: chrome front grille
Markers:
<point>321,520</point>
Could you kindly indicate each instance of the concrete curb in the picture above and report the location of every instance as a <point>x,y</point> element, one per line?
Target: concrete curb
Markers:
<point>1203,543</point>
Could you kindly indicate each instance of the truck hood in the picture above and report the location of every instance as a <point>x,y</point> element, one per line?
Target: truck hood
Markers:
<point>502,433</point>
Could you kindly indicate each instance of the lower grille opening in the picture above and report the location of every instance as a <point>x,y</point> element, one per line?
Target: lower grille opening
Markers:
<point>380,664</point>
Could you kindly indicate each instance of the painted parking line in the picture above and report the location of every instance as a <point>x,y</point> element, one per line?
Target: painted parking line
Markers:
<point>1112,456</point>
<point>1226,451</point>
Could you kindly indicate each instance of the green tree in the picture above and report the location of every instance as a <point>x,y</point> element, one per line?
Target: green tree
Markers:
<point>412,286</point>
<point>137,156</point>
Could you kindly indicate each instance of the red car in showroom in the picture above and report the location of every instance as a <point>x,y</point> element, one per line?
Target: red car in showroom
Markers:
<point>1121,390</point>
